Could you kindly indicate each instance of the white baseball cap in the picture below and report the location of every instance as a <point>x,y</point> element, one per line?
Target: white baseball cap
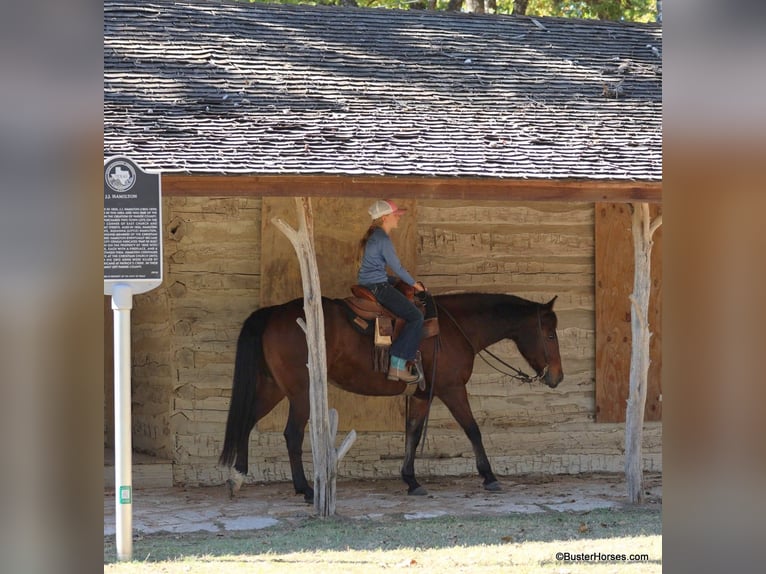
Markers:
<point>384,207</point>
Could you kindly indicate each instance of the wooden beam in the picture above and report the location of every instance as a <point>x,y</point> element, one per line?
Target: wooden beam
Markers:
<point>174,184</point>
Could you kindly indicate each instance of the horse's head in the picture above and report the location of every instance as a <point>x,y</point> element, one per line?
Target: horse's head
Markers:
<point>539,344</point>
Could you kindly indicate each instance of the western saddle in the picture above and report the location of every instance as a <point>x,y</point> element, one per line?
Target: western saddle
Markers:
<point>366,308</point>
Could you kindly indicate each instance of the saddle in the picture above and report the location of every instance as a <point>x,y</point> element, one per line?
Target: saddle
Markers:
<point>364,309</point>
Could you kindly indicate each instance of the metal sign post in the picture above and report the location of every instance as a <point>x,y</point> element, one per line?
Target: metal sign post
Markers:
<point>122,303</point>
<point>132,265</point>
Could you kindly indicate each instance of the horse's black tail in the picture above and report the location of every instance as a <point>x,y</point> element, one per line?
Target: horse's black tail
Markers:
<point>249,366</point>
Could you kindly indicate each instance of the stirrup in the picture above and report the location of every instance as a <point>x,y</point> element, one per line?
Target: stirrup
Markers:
<point>417,365</point>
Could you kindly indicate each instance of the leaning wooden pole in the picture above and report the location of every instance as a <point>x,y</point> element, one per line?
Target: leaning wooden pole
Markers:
<point>643,231</point>
<point>323,422</point>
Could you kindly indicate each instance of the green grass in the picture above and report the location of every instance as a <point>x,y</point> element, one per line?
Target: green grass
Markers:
<point>523,542</point>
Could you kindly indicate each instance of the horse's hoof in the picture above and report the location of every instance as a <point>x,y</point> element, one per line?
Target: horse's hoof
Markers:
<point>493,487</point>
<point>308,495</point>
<point>235,482</point>
<point>419,491</point>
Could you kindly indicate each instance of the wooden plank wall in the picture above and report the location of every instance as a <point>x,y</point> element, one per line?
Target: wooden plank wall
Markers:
<point>213,284</point>
<point>535,250</point>
<point>216,250</point>
<point>151,380</point>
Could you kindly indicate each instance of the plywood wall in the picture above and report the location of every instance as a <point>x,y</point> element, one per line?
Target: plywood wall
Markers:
<point>614,272</point>
<point>339,224</point>
<point>224,260</point>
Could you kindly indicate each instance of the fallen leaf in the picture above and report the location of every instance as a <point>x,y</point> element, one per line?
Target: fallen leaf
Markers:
<point>583,527</point>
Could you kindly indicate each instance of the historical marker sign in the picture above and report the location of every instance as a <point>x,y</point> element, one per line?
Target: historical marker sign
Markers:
<point>132,226</point>
<point>132,265</point>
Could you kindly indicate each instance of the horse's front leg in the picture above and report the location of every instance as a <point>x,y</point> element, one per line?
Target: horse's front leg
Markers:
<point>457,403</point>
<point>294,431</point>
<point>417,414</point>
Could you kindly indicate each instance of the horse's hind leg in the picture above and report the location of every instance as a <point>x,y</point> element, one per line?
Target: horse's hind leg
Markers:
<point>456,400</point>
<point>294,431</point>
<point>415,419</point>
<point>267,396</point>
<point>239,471</point>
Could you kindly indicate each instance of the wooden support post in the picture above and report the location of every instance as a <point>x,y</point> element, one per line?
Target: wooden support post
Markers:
<point>643,231</point>
<point>323,423</point>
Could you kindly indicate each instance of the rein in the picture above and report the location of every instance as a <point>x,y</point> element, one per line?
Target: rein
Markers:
<point>517,374</point>
<point>437,346</point>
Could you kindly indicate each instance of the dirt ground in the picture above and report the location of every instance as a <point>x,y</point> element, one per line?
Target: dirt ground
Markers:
<point>187,509</point>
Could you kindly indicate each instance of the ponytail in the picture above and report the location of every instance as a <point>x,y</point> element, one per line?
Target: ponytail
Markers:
<point>363,242</point>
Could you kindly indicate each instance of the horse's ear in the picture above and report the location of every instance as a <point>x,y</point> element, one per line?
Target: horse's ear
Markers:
<point>549,304</point>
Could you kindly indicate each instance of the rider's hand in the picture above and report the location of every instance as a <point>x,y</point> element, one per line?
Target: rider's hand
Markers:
<point>419,286</point>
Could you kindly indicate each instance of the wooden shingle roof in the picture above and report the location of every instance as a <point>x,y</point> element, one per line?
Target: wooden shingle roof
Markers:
<point>204,87</point>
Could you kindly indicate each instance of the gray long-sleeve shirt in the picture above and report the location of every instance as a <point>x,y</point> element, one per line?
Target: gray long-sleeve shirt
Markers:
<point>378,253</point>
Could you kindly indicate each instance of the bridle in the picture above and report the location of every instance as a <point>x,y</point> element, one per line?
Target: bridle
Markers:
<point>517,374</point>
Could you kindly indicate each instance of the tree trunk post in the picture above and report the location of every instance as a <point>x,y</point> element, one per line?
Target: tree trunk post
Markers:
<point>323,423</point>
<point>643,231</point>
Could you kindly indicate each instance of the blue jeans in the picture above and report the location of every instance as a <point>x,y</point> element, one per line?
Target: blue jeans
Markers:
<point>406,344</point>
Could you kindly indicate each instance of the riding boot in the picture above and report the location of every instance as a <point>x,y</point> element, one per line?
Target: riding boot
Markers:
<point>398,371</point>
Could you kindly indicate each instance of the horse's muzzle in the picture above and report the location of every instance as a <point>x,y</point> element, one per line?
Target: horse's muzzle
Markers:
<point>553,377</point>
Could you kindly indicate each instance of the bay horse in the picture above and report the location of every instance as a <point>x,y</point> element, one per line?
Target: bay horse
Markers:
<point>272,353</point>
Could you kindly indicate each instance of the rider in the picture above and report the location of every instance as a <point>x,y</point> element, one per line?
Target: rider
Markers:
<point>378,252</point>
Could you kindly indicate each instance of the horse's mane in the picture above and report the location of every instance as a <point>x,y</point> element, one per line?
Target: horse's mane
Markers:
<point>490,298</point>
